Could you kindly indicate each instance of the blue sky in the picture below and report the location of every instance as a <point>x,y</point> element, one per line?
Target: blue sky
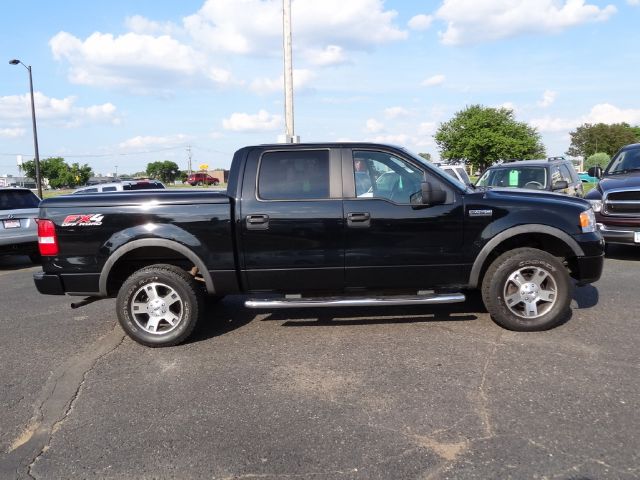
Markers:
<point>123,83</point>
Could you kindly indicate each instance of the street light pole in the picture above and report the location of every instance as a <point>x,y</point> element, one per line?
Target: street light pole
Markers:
<point>35,130</point>
<point>288,72</point>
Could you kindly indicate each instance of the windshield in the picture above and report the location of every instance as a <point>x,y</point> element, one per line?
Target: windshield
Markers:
<point>625,161</point>
<point>16,199</point>
<point>515,177</point>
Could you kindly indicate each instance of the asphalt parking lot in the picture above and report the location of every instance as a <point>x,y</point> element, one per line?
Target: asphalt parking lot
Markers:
<point>408,393</point>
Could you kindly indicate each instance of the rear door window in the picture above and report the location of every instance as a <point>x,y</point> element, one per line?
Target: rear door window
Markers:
<point>294,175</point>
<point>16,199</point>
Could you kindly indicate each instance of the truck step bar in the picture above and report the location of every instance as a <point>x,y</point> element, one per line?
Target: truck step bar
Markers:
<point>296,302</point>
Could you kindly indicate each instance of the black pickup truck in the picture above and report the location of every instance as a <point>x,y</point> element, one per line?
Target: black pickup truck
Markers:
<point>320,225</point>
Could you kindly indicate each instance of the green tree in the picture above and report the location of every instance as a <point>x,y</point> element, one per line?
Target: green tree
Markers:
<point>481,136</point>
<point>167,171</point>
<point>588,139</point>
<point>183,175</point>
<point>599,159</point>
<point>426,156</point>
<point>58,173</point>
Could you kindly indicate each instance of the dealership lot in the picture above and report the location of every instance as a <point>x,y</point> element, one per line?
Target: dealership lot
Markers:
<point>419,393</point>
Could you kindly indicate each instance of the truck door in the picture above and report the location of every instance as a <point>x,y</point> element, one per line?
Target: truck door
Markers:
<point>292,234</point>
<point>390,242</point>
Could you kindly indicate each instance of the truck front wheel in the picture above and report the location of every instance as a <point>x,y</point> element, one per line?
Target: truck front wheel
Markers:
<point>159,305</point>
<point>527,289</point>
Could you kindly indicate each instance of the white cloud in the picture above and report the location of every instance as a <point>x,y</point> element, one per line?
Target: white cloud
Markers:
<point>401,139</point>
<point>144,26</point>
<point>55,110</point>
<point>472,21</point>
<point>225,25</point>
<point>396,112</point>
<point>433,81</point>
<point>11,132</point>
<point>301,80</point>
<point>330,55</point>
<point>633,2</point>
<point>600,113</point>
<point>420,22</point>
<point>139,62</point>
<point>548,97</point>
<point>607,113</point>
<point>151,141</point>
<point>374,126</point>
<point>427,128</point>
<point>507,105</point>
<point>262,121</point>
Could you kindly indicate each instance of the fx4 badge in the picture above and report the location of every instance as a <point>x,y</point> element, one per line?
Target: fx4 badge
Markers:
<point>83,220</point>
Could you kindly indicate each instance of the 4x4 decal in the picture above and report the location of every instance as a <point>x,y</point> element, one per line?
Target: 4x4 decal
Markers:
<point>93,219</point>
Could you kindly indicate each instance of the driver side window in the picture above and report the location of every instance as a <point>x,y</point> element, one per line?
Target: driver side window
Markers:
<point>382,175</point>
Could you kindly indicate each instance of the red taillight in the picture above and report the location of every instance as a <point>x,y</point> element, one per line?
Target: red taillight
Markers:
<point>47,239</point>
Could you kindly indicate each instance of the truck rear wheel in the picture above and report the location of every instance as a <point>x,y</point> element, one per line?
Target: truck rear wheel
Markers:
<point>160,305</point>
<point>527,289</point>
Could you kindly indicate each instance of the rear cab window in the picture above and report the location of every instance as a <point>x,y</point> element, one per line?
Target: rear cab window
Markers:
<point>294,175</point>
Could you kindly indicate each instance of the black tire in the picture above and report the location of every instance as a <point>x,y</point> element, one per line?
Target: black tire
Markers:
<point>527,290</point>
<point>151,324</point>
<point>215,184</point>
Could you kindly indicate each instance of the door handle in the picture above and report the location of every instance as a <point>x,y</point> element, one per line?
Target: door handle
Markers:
<point>257,222</point>
<point>359,219</point>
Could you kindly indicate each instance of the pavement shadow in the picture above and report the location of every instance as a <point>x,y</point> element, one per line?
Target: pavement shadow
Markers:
<point>623,252</point>
<point>586,296</point>
<point>231,314</point>
<point>15,262</point>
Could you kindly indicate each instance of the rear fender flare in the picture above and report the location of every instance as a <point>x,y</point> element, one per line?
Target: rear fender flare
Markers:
<point>154,242</point>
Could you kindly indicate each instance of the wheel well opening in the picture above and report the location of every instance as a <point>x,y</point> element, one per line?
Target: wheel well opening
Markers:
<point>143,257</point>
<point>541,241</point>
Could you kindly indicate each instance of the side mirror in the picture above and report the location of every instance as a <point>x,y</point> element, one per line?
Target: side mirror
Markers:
<point>561,185</point>
<point>432,194</point>
<point>595,172</point>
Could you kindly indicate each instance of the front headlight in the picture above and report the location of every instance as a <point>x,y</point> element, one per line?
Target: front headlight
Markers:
<point>596,205</point>
<point>588,221</point>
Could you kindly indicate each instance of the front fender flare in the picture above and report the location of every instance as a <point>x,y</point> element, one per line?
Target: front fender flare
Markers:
<point>474,277</point>
<point>154,242</point>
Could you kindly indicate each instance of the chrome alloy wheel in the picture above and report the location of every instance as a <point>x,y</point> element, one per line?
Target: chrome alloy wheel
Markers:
<point>530,292</point>
<point>157,308</point>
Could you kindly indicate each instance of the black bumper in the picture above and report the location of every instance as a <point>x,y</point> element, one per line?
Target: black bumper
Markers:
<point>587,269</point>
<point>48,284</point>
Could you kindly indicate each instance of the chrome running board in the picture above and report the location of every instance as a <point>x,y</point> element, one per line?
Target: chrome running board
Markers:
<point>297,302</point>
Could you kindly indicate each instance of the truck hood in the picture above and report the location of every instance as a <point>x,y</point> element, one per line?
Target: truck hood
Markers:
<point>627,180</point>
<point>534,196</point>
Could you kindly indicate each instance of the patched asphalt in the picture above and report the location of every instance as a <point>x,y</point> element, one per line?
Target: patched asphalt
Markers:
<point>411,393</point>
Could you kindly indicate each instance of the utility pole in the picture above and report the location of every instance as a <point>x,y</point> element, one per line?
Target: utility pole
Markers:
<point>189,157</point>
<point>290,136</point>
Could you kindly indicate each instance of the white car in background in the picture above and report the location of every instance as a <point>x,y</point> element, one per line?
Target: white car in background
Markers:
<point>456,171</point>
<point>123,186</point>
<point>18,228</point>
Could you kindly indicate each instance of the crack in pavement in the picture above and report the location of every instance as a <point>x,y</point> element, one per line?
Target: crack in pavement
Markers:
<point>54,404</point>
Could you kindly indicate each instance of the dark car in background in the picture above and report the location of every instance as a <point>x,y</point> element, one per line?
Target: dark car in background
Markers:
<point>616,198</point>
<point>202,179</point>
<point>18,228</point>
<point>554,174</point>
